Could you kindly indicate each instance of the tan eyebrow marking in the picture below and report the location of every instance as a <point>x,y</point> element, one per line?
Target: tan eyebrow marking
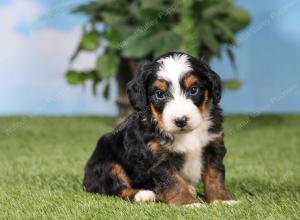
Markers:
<point>158,116</point>
<point>161,84</point>
<point>189,81</point>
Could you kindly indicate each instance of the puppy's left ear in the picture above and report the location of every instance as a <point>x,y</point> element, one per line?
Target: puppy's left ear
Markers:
<point>216,84</point>
<point>136,90</point>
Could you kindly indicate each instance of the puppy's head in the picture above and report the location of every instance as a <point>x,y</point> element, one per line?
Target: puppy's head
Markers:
<point>178,89</point>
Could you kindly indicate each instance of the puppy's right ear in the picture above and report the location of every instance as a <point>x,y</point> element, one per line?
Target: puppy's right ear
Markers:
<point>136,90</point>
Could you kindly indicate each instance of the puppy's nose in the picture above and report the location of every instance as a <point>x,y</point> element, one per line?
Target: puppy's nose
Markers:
<point>181,122</point>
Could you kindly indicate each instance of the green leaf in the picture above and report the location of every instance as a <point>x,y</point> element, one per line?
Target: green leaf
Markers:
<point>189,42</point>
<point>240,15</point>
<point>90,41</point>
<point>165,41</point>
<point>73,57</point>
<point>209,39</point>
<point>186,4</point>
<point>238,18</point>
<point>148,14</point>
<point>94,87</point>
<point>76,77</point>
<point>114,38</point>
<point>137,45</point>
<point>106,90</point>
<point>89,8</point>
<point>114,19</point>
<point>232,84</point>
<point>154,4</point>
<point>226,32</point>
<point>231,57</point>
<point>95,7</point>
<point>107,65</point>
<point>214,10</point>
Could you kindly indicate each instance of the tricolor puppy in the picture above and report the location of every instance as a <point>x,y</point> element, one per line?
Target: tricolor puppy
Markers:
<point>173,140</point>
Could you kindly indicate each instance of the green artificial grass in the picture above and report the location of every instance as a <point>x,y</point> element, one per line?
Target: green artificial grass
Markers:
<point>42,161</point>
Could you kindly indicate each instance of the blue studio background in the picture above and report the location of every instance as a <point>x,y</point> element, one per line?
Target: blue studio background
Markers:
<point>38,37</point>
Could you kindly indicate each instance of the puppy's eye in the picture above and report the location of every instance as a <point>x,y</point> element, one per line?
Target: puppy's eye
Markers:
<point>194,90</point>
<point>160,94</point>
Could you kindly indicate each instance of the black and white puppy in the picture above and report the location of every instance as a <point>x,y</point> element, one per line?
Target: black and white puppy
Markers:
<point>173,140</point>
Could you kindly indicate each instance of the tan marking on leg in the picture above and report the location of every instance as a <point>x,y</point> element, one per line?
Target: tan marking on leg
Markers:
<point>179,194</point>
<point>120,173</point>
<point>214,187</point>
<point>127,192</point>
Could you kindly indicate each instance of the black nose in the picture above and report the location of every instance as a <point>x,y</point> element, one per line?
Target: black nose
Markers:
<point>181,122</point>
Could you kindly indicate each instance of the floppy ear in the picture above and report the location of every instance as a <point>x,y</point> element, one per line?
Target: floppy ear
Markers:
<point>216,84</point>
<point>214,80</point>
<point>136,90</point>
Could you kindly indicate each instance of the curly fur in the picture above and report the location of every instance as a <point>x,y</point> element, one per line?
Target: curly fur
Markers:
<point>153,151</point>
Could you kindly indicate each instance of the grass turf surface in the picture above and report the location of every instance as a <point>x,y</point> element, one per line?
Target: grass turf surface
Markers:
<point>42,161</point>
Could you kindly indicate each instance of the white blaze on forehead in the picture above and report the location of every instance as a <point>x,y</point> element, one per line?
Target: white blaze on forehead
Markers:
<point>173,68</point>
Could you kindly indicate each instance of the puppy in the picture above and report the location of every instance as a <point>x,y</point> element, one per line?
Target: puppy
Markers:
<point>173,140</point>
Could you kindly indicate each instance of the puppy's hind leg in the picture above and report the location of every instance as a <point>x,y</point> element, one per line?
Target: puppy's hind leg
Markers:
<point>111,179</point>
<point>108,179</point>
<point>127,192</point>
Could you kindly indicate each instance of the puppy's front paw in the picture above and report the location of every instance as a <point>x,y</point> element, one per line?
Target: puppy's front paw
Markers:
<point>144,196</point>
<point>227,202</point>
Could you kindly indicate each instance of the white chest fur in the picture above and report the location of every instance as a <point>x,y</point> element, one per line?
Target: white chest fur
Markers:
<point>191,144</point>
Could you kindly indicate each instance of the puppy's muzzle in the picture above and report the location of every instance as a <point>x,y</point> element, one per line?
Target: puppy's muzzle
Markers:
<point>181,122</point>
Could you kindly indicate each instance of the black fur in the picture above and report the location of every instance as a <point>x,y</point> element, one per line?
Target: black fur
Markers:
<point>127,145</point>
<point>213,79</point>
<point>136,88</point>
